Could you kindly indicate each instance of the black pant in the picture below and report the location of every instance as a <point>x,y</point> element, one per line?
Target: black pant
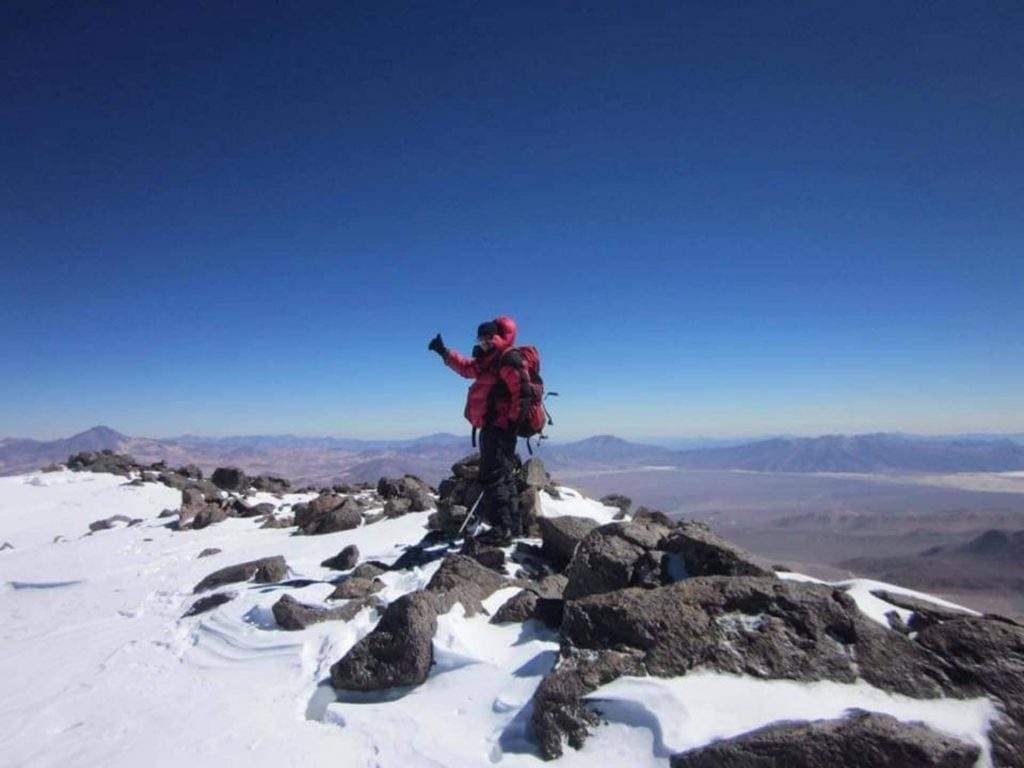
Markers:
<point>497,475</point>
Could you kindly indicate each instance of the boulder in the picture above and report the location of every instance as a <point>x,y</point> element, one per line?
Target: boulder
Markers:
<point>368,570</point>
<point>209,552</point>
<point>925,612</point>
<point>615,556</point>
<point>467,468</point>
<point>388,488</point>
<point>462,579</point>
<point>863,740</point>
<point>328,514</point>
<point>278,522</point>
<point>561,535</point>
<point>530,512</point>
<point>242,509</point>
<point>354,588</point>
<point>617,500</point>
<point>399,650</point>
<point>266,570</point>
<point>762,627</point>
<point>208,603</point>
<point>345,560</point>
<point>294,615</point>
<point>211,513</point>
<point>525,605</point>
<point>396,507</point>
<point>986,656</point>
<point>190,471</point>
<point>230,479</point>
<point>534,473</point>
<point>705,554</point>
<point>270,484</point>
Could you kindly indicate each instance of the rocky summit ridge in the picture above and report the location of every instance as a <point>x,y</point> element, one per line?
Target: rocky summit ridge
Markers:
<point>611,599</point>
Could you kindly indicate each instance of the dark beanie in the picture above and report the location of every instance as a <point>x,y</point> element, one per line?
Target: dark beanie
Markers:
<point>487,330</point>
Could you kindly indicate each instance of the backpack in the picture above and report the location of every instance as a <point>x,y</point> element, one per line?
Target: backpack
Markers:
<point>537,416</point>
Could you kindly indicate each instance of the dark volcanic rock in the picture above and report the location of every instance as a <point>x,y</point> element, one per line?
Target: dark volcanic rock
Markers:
<point>987,656</point>
<point>925,612</point>
<point>864,740</point>
<point>109,522</point>
<point>266,570</point>
<point>614,556</point>
<point>230,479</point>
<point>190,471</point>
<point>368,570</point>
<point>208,603</point>
<point>270,484</point>
<point>328,514</point>
<point>763,627</point>
<point>396,507</point>
<point>561,536</point>
<point>354,588</point>
<point>527,604</point>
<point>258,510</point>
<point>102,461</point>
<point>345,560</point>
<point>211,513</point>
<point>399,651</point>
<point>294,615</point>
<point>462,579</point>
<point>623,503</point>
<point>705,554</point>
<point>209,551</point>
<point>534,473</point>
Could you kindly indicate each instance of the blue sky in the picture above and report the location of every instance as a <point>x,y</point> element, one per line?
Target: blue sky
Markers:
<point>713,218</point>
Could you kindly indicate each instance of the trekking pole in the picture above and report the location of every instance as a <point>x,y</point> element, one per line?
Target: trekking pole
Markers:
<point>471,511</point>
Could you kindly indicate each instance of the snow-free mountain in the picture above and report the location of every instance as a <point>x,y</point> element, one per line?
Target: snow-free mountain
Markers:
<point>157,615</point>
<point>329,459</point>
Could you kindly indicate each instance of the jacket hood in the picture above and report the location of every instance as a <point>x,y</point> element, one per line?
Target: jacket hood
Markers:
<point>505,338</point>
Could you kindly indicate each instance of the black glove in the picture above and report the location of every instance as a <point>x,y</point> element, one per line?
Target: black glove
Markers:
<point>437,345</point>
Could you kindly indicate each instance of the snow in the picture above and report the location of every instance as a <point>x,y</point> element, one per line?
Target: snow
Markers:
<point>690,711</point>
<point>100,668</point>
<point>874,607</point>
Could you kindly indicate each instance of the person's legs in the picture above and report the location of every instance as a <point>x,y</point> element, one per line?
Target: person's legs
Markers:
<point>497,476</point>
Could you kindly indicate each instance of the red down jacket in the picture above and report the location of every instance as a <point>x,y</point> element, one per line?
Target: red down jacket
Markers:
<point>498,382</point>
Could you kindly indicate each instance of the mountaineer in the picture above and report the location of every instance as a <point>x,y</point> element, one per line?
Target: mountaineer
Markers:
<point>505,401</point>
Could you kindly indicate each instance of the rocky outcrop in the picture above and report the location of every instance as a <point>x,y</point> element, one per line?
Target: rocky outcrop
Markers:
<point>102,461</point>
<point>985,656</point>
<point>399,650</point>
<point>271,484</point>
<point>617,500</point>
<point>704,553</point>
<point>231,479</point>
<point>291,614</point>
<point>762,627</point>
<point>355,588</point>
<point>925,612</point>
<point>408,487</point>
<point>462,579</point>
<point>328,513</point>
<point>864,740</point>
<point>345,560</point>
<point>616,556</point>
<point>651,551</point>
<point>266,570</point>
<point>561,535</point>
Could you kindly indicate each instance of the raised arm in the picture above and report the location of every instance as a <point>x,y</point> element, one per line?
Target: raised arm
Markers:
<point>462,365</point>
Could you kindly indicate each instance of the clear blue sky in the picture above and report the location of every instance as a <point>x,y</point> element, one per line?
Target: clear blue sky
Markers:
<point>713,218</point>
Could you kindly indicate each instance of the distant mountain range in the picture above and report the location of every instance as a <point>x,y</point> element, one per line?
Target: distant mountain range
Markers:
<point>320,459</point>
